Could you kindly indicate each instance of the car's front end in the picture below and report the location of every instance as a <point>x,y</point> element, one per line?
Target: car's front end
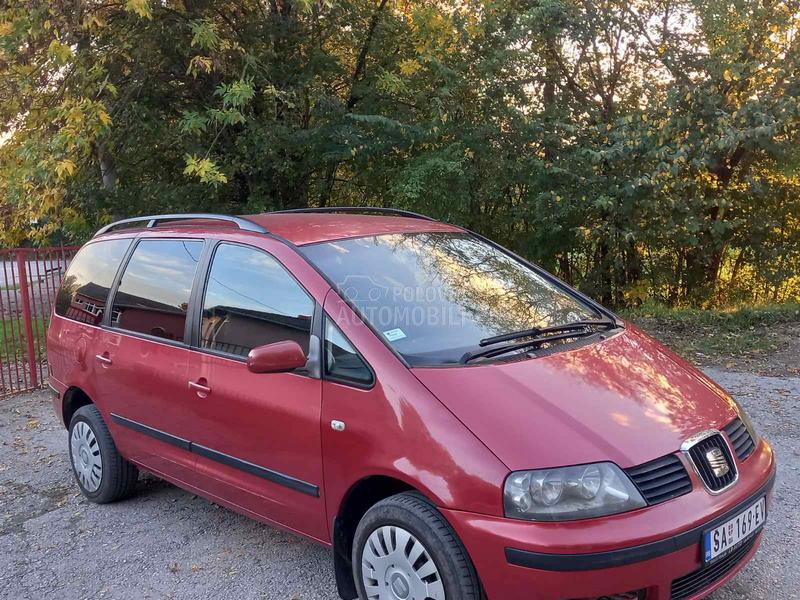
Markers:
<point>631,475</point>
<point>655,553</point>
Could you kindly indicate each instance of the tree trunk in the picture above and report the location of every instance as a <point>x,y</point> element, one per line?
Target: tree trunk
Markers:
<point>702,266</point>
<point>108,168</point>
<point>605,277</point>
<point>565,268</point>
<point>108,176</point>
<point>352,97</point>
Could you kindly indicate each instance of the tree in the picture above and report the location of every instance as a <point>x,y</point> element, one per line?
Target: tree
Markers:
<point>642,150</point>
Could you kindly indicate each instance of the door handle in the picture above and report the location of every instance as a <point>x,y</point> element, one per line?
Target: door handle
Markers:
<point>200,387</point>
<point>103,359</point>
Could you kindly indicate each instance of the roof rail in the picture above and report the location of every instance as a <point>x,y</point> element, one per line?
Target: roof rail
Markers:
<point>153,220</point>
<point>377,210</point>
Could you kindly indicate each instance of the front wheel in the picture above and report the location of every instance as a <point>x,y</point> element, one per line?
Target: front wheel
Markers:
<point>404,549</point>
<point>102,474</point>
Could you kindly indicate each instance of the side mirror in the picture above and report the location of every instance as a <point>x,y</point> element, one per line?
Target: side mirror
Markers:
<point>279,357</point>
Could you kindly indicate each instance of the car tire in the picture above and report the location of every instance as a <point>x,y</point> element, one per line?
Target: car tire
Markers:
<point>393,545</point>
<point>102,474</point>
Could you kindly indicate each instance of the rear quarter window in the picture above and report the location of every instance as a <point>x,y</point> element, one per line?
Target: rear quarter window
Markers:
<point>84,291</point>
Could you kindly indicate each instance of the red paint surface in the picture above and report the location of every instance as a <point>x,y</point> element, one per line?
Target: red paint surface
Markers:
<point>280,356</point>
<point>301,228</point>
<point>623,399</point>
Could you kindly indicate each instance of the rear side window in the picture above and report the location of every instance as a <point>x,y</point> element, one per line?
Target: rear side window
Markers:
<point>153,294</point>
<point>251,300</point>
<point>84,292</point>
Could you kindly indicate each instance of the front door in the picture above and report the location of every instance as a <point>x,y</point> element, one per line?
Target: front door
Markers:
<point>256,436</point>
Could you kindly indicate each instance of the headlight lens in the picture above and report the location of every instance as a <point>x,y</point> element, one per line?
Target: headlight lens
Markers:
<point>570,493</point>
<point>748,423</point>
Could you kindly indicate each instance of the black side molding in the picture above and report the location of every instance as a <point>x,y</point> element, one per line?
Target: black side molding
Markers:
<point>157,434</point>
<point>248,467</point>
<point>626,556</point>
<point>237,463</point>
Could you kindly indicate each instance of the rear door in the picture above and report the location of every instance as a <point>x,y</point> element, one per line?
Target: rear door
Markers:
<point>257,436</point>
<point>141,356</point>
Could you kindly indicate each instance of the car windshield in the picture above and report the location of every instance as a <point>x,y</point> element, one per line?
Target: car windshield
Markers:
<point>435,296</point>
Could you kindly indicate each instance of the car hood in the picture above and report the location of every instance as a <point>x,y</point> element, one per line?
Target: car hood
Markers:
<point>625,399</point>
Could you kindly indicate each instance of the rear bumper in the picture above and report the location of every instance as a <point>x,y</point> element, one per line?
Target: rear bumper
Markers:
<point>652,549</point>
<point>58,390</point>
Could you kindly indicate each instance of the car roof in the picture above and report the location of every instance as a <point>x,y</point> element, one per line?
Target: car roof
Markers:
<point>311,228</point>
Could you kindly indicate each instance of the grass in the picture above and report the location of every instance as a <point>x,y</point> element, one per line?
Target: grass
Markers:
<point>10,288</point>
<point>12,337</point>
<point>749,333</point>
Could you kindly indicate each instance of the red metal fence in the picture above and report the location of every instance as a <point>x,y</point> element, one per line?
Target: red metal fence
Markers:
<point>29,278</point>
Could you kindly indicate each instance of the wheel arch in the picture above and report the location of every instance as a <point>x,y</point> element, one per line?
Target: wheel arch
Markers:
<point>361,496</point>
<point>74,398</point>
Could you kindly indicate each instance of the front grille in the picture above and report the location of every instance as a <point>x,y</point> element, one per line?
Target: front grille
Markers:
<point>689,585</point>
<point>741,440</point>
<point>662,479</point>
<point>699,456</point>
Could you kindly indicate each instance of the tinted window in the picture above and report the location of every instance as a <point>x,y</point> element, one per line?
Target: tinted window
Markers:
<point>251,300</point>
<point>84,291</point>
<point>341,359</point>
<point>435,296</point>
<point>153,295</point>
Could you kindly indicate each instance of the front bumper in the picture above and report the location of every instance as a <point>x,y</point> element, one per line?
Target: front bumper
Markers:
<point>651,549</point>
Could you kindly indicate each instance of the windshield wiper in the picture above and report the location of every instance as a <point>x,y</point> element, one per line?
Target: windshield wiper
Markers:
<point>492,352</point>
<point>537,331</point>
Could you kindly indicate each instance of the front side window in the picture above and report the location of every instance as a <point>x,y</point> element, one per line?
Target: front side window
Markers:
<point>153,294</point>
<point>84,292</point>
<point>251,300</point>
<point>434,296</point>
<point>342,362</point>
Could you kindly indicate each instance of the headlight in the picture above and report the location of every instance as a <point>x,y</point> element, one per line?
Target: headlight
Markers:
<point>748,423</point>
<point>570,493</point>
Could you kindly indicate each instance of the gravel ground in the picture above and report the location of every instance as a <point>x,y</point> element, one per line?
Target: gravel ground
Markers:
<point>167,543</point>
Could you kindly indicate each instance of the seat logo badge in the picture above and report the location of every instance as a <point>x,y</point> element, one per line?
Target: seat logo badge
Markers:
<point>716,460</point>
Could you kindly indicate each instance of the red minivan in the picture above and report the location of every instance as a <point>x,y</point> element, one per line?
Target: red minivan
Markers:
<point>454,422</point>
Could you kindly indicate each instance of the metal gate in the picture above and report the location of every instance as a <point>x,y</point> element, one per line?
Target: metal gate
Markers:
<point>29,278</point>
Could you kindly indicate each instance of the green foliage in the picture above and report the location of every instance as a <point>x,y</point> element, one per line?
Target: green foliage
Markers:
<point>644,151</point>
<point>204,169</point>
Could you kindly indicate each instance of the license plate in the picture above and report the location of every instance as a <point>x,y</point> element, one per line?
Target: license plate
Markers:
<point>721,540</point>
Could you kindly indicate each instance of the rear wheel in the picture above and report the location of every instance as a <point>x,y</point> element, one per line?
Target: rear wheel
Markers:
<point>405,550</point>
<point>102,474</point>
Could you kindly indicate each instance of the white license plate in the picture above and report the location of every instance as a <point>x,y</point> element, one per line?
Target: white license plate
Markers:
<point>719,541</point>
